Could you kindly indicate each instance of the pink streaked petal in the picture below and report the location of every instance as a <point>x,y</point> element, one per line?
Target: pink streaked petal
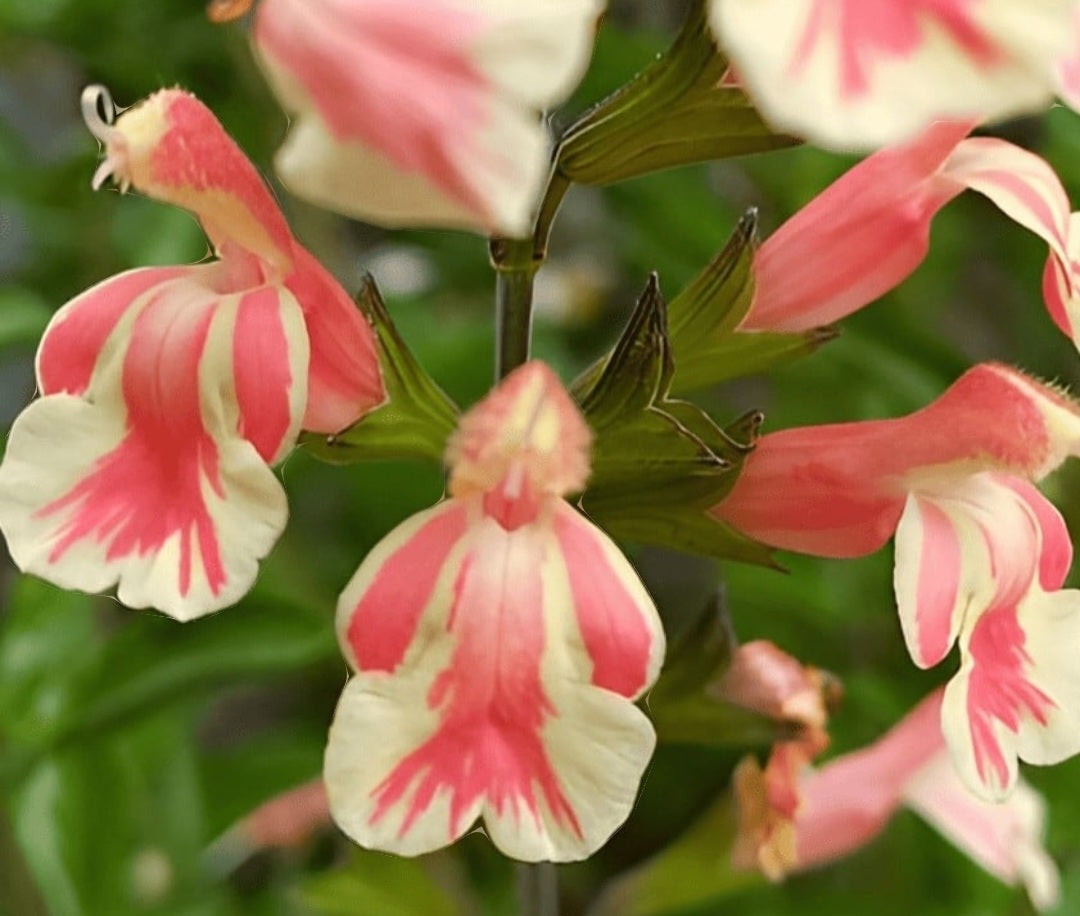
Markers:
<point>1058,287</point>
<point>485,720</point>
<point>927,580</point>
<point>857,74</point>
<point>381,608</point>
<point>270,356</point>
<point>1017,693</point>
<point>461,82</point>
<point>619,625</point>
<point>1022,184</point>
<point>872,226</point>
<point>1004,838</point>
<point>75,337</point>
<point>135,485</point>
<point>527,434</point>
<point>344,379</point>
<point>1056,554</point>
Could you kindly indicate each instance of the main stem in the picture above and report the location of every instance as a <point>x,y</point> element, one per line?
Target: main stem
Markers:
<point>515,266</point>
<point>538,889</point>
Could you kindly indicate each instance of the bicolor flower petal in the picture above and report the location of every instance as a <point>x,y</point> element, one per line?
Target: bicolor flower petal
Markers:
<point>872,226</point>
<point>167,392</point>
<point>498,641</point>
<point>423,113</point>
<point>853,74</point>
<point>980,553</point>
<point>849,801</point>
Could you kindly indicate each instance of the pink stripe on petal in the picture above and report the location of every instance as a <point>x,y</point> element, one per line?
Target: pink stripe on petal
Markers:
<point>999,691</point>
<point>73,341</point>
<point>384,621</point>
<point>344,379</point>
<point>871,226</point>
<point>1022,184</point>
<point>150,488</point>
<point>1056,554</point>
<point>614,625</point>
<point>1058,293</point>
<point>262,372</point>
<point>928,570</point>
<point>866,32</point>
<point>491,699</point>
<point>368,65</point>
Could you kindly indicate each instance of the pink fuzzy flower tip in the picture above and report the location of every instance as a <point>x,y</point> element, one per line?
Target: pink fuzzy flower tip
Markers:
<point>168,391</point>
<point>499,640</point>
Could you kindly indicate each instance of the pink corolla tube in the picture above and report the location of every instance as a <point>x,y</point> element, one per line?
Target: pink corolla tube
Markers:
<point>860,74</point>
<point>843,805</point>
<point>498,641</point>
<point>168,391</point>
<point>980,553</point>
<point>870,229</point>
<point>423,113</point>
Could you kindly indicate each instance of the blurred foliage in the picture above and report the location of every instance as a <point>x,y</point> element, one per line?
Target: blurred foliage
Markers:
<point>129,745</point>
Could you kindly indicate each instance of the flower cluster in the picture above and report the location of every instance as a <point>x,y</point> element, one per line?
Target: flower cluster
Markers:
<point>499,641</point>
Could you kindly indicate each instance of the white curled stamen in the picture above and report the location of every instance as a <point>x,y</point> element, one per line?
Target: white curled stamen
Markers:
<point>99,113</point>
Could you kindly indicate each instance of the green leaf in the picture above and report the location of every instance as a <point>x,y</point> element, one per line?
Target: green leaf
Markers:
<point>687,706</point>
<point>676,112</point>
<point>23,316</point>
<point>704,317</point>
<point>658,465</point>
<point>378,884</point>
<point>417,417</point>
<point>693,875</point>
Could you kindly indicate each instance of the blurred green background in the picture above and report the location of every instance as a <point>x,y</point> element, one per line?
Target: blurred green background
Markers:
<point>129,744</point>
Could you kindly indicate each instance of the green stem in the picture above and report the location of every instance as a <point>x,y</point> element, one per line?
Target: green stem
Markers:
<point>538,889</point>
<point>515,268</point>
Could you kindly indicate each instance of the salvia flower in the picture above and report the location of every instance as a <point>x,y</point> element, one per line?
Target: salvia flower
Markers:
<point>168,391</point>
<point>824,814</point>
<point>499,640</point>
<point>980,553</point>
<point>423,113</point>
<point>858,74</point>
<point>872,227</point>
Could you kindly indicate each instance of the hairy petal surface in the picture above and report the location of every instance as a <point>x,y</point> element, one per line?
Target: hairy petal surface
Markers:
<point>840,489</point>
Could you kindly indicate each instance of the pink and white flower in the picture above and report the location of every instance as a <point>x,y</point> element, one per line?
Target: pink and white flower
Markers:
<point>499,640</point>
<point>168,391</point>
<point>980,553</point>
<point>858,74</point>
<point>872,227</point>
<point>823,814</point>
<point>423,113</point>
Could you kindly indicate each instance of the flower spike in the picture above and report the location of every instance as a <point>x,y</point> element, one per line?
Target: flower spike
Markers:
<point>498,640</point>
